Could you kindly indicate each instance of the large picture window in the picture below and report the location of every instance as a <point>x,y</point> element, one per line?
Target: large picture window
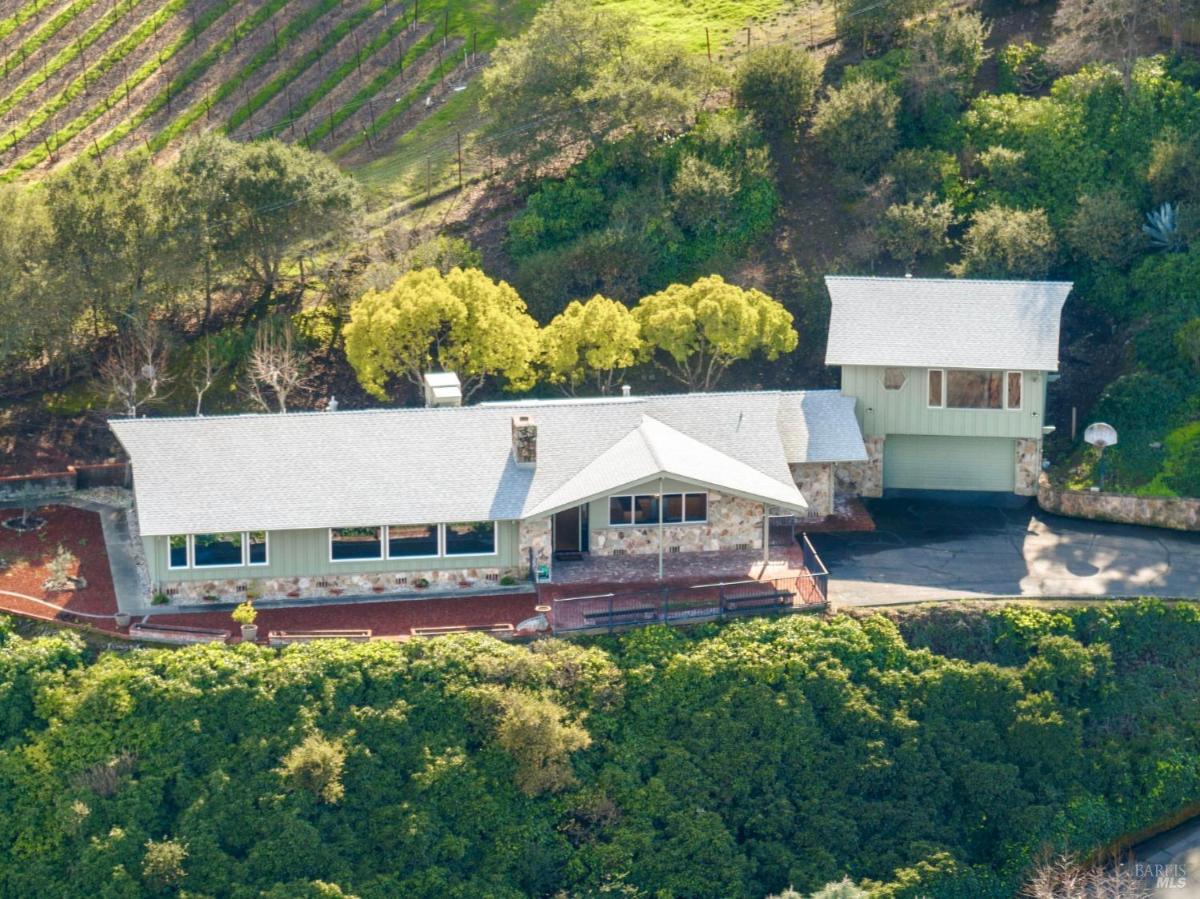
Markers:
<point>411,541</point>
<point>958,388</point>
<point>217,550</point>
<point>477,538</point>
<point>348,544</point>
<point>676,508</point>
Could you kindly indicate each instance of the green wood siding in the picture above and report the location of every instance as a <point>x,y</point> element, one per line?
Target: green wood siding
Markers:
<point>905,411</point>
<point>305,553</point>
<point>949,463</point>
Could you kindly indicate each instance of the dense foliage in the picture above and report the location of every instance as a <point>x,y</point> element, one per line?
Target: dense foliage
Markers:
<point>726,762</point>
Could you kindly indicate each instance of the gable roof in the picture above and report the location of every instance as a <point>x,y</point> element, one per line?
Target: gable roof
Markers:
<point>945,322</point>
<point>428,465</point>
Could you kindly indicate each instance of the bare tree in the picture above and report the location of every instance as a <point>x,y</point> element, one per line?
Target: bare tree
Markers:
<point>276,369</point>
<point>135,370</point>
<point>1064,877</point>
<point>204,372</point>
<point>1091,30</point>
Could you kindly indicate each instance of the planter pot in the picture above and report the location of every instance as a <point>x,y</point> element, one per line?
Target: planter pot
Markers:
<point>293,594</point>
<point>122,619</point>
<point>249,633</point>
<point>378,588</point>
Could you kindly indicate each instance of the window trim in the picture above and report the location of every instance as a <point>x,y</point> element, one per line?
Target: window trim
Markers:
<point>1021,391</point>
<point>382,557</point>
<point>187,553</point>
<point>266,549</point>
<point>438,538</point>
<point>189,547</point>
<point>241,563</point>
<point>928,384</point>
<point>661,497</point>
<point>446,554</point>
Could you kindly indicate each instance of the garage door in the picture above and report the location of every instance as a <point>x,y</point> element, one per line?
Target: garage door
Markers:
<point>949,463</point>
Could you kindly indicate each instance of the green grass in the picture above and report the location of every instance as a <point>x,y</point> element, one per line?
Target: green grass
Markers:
<point>192,72</point>
<point>31,44</point>
<point>685,20</point>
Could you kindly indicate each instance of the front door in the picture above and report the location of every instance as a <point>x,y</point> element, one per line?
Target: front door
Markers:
<point>567,529</point>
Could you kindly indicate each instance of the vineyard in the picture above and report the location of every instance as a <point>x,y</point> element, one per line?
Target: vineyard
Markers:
<point>353,78</point>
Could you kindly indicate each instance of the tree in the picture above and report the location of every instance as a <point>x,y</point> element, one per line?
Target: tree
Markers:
<point>206,366</point>
<point>1187,341</point>
<point>856,125</point>
<point>577,74</point>
<point>135,369</point>
<point>944,54</point>
<point>910,230</point>
<point>1174,168</point>
<point>778,85</point>
<point>162,865</point>
<point>1102,30</point>
<point>875,21</point>
<point>37,313</point>
<point>315,766</point>
<point>590,341</point>
<point>462,321</point>
<point>1066,878</point>
<point>1002,242</point>
<point>1106,228</point>
<point>703,328</point>
<point>275,370</point>
<point>535,732</point>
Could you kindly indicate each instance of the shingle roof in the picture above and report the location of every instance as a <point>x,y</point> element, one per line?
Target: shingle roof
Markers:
<point>397,466</point>
<point>945,322</point>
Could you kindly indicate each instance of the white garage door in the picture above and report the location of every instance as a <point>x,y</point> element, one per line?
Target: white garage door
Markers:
<point>949,463</point>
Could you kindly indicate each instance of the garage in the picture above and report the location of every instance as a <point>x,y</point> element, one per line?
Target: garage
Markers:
<point>949,463</point>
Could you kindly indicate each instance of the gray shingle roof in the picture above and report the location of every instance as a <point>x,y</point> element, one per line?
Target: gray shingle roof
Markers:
<point>945,322</point>
<point>397,466</point>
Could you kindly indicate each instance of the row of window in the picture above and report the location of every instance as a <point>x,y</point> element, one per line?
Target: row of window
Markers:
<point>957,388</point>
<point>675,508</point>
<point>217,550</point>
<point>413,541</point>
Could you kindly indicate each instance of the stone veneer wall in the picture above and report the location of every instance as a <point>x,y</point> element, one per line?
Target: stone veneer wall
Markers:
<point>815,481</point>
<point>536,533</point>
<point>1156,511</point>
<point>733,523</point>
<point>862,478</point>
<point>1029,466</point>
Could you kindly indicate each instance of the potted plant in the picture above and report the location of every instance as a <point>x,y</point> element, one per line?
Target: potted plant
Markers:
<point>421,583</point>
<point>245,615</point>
<point>123,619</point>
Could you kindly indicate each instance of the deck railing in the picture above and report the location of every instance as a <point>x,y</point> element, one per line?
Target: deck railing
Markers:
<point>683,605</point>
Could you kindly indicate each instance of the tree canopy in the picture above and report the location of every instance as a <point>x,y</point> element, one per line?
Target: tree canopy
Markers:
<point>699,330</point>
<point>590,342</point>
<point>461,321</point>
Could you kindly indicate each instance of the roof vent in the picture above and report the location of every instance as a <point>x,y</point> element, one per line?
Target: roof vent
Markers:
<point>442,388</point>
<point>524,441</point>
<point>626,390</point>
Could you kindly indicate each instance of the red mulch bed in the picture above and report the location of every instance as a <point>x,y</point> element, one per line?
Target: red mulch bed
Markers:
<point>395,618</point>
<point>29,555</point>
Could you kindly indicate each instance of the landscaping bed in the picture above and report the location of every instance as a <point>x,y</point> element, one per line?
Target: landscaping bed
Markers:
<point>28,564</point>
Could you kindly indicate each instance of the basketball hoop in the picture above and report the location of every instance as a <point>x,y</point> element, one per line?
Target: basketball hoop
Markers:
<point>1100,435</point>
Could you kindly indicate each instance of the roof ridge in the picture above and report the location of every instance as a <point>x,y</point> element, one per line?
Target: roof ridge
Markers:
<point>941,280</point>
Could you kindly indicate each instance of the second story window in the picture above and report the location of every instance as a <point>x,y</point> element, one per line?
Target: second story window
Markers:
<point>961,388</point>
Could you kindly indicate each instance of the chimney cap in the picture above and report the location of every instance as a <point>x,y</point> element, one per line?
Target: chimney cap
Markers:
<point>626,390</point>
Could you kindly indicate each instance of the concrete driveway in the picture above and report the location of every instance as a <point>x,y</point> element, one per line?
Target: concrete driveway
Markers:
<point>928,550</point>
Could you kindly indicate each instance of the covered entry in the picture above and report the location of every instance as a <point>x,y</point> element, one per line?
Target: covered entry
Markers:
<point>913,462</point>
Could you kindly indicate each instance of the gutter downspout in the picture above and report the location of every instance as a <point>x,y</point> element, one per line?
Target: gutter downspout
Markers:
<point>766,537</point>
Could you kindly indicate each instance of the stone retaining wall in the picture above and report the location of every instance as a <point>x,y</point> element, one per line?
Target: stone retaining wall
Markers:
<point>1154,511</point>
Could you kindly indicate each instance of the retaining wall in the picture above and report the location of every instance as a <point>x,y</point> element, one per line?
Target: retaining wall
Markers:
<point>1180,514</point>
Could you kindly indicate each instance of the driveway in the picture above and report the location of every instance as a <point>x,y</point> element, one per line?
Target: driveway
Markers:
<point>926,550</point>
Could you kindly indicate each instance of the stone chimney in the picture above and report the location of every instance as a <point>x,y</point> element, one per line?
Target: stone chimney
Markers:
<point>442,388</point>
<point>524,441</point>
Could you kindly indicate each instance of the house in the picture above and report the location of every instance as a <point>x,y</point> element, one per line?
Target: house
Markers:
<point>948,377</point>
<point>448,495</point>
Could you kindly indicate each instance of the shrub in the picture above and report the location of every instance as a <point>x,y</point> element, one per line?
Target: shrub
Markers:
<point>535,733</point>
<point>160,599</point>
<point>1024,69</point>
<point>1106,228</point>
<point>1181,467</point>
<point>244,613</point>
<point>162,865</point>
<point>856,126</point>
<point>317,326</point>
<point>1002,242</point>
<point>778,85</point>
<point>917,172</point>
<point>1004,171</point>
<point>910,230</point>
<point>1187,341</point>
<point>315,767</point>
<point>1173,170</point>
<point>61,568</point>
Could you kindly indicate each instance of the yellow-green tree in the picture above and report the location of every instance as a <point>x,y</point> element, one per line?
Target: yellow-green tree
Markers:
<point>696,331</point>
<point>589,343</point>
<point>462,321</point>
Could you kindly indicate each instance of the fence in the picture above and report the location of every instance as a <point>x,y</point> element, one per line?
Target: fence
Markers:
<point>686,605</point>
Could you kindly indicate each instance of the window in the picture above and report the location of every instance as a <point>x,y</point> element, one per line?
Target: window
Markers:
<point>177,554</point>
<point>347,544</point>
<point>936,398</point>
<point>893,378</point>
<point>966,389</point>
<point>1013,399</point>
<point>676,508</point>
<point>256,548</point>
<point>476,538</point>
<point>217,550</point>
<point>620,510</point>
<point>409,541</point>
